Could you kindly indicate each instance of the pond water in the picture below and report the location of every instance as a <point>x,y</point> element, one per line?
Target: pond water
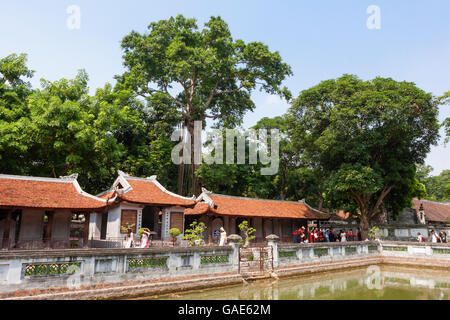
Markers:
<point>377,282</point>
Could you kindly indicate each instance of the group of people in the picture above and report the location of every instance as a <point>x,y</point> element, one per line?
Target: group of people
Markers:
<point>302,235</point>
<point>441,237</point>
<point>130,241</point>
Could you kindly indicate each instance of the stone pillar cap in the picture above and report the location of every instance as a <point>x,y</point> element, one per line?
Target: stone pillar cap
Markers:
<point>272,237</point>
<point>234,238</point>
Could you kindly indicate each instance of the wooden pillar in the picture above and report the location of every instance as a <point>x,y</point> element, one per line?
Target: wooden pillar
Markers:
<point>230,225</point>
<point>49,227</point>
<point>280,234</point>
<point>210,230</point>
<point>87,217</point>
<point>264,228</point>
<point>6,230</point>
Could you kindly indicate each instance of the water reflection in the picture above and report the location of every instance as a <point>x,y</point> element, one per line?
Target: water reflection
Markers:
<point>372,283</point>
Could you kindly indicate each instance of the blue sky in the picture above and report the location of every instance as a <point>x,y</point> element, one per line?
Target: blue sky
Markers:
<point>319,39</point>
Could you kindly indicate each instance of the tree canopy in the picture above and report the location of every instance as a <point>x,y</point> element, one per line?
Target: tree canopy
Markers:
<point>205,73</point>
<point>365,137</point>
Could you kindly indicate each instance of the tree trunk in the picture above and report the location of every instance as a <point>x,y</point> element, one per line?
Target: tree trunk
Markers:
<point>364,225</point>
<point>195,183</point>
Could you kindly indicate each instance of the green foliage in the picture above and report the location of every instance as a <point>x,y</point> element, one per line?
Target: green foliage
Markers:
<point>375,233</point>
<point>174,232</point>
<point>210,74</point>
<point>14,90</point>
<point>248,232</point>
<point>194,234</point>
<point>127,227</point>
<point>365,138</point>
<point>437,187</point>
<point>141,231</point>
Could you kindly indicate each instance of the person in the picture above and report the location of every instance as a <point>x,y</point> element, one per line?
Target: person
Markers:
<point>296,235</point>
<point>358,235</point>
<point>351,235</point>
<point>332,235</point>
<point>443,236</point>
<point>420,237</point>
<point>433,236</point>
<point>302,234</point>
<point>343,236</point>
<point>327,235</point>
<point>223,237</point>
<point>129,240</point>
<point>144,239</point>
<point>316,235</point>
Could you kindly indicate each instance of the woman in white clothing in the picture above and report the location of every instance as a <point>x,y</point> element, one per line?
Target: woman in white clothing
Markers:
<point>223,237</point>
<point>129,240</point>
<point>144,239</point>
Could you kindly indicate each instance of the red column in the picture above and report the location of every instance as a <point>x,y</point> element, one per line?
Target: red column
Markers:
<point>6,230</point>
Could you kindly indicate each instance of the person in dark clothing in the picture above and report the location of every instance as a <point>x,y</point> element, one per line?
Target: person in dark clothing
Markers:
<point>332,236</point>
<point>443,236</point>
<point>358,234</point>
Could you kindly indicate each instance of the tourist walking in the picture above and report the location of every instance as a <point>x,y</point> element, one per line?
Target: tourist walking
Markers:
<point>223,237</point>
<point>332,236</point>
<point>420,237</point>
<point>327,235</point>
<point>443,236</point>
<point>351,235</point>
<point>129,240</point>
<point>434,237</point>
<point>144,239</point>
<point>343,236</point>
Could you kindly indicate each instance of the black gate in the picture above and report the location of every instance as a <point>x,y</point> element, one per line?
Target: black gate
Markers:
<point>255,260</point>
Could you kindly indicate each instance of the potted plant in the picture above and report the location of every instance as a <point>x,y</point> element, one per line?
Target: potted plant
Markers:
<point>194,233</point>
<point>248,232</point>
<point>174,233</point>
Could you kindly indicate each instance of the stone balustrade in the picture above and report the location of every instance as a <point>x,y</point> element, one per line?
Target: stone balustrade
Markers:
<point>74,268</point>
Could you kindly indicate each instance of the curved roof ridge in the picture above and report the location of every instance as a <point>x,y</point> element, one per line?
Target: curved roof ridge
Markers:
<point>33,178</point>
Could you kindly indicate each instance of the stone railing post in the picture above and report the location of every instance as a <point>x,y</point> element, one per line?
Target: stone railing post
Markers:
<point>272,241</point>
<point>234,240</point>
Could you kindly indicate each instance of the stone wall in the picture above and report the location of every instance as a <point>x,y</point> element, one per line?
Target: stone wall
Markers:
<point>42,269</point>
<point>103,273</point>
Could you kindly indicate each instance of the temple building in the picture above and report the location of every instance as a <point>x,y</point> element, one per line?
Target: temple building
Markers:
<point>140,203</point>
<point>266,216</point>
<point>38,212</point>
<point>56,213</point>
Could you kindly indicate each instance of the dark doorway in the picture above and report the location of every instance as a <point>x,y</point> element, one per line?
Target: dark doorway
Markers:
<point>104,225</point>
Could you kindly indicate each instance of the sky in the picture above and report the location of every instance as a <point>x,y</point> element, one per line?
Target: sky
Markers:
<point>320,40</point>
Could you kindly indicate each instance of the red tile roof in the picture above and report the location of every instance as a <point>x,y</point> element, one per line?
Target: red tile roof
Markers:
<point>45,193</point>
<point>434,211</point>
<point>250,207</point>
<point>147,191</point>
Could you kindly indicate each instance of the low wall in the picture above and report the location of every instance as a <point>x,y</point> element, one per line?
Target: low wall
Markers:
<point>77,268</point>
<point>108,273</point>
<point>307,258</point>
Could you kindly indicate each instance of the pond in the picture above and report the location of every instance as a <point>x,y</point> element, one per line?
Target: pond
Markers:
<point>376,282</point>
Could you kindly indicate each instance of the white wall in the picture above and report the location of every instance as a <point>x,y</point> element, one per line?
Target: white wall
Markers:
<point>114,215</point>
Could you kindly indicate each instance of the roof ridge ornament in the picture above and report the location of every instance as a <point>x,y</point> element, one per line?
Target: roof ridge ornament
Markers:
<point>73,176</point>
<point>123,174</point>
<point>204,190</point>
<point>152,178</point>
